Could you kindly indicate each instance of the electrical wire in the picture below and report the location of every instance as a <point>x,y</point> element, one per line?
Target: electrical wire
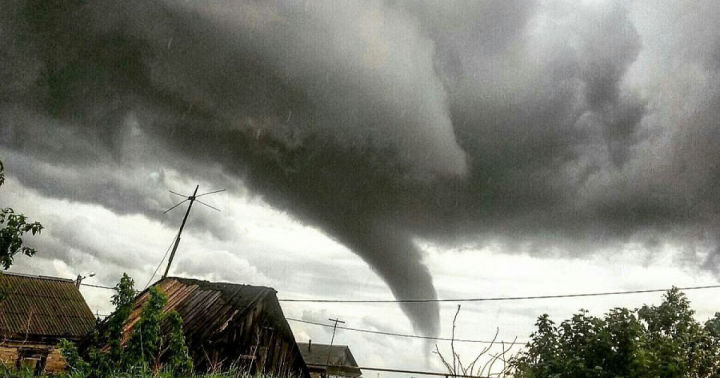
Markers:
<point>98,286</point>
<point>213,192</point>
<point>410,336</point>
<point>489,299</point>
<point>407,335</point>
<point>160,263</point>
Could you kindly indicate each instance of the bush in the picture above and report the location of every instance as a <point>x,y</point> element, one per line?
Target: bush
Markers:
<point>148,351</point>
<point>653,341</point>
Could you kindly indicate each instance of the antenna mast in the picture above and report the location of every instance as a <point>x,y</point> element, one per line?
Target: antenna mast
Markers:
<point>192,199</point>
<point>327,361</point>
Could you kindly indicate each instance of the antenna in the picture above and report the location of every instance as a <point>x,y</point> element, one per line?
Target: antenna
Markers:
<point>327,361</point>
<point>193,198</point>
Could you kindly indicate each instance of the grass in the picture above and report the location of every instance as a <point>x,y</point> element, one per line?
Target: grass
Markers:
<point>230,373</point>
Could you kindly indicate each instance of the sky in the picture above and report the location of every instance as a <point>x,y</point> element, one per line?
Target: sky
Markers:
<point>381,149</point>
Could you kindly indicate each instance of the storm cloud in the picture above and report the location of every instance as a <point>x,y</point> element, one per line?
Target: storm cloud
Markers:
<point>549,126</point>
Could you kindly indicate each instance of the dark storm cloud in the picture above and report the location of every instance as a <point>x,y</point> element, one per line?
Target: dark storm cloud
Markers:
<point>378,122</point>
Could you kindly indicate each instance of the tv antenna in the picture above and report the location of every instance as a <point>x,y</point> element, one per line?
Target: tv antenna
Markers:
<point>193,198</point>
<point>327,361</point>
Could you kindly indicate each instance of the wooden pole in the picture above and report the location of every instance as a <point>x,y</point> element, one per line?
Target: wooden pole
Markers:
<point>177,240</point>
<point>327,361</point>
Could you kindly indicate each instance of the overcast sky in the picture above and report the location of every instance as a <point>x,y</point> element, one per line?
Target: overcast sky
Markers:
<point>372,150</point>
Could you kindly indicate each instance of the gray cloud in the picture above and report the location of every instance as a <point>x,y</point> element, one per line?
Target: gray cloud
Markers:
<point>554,125</point>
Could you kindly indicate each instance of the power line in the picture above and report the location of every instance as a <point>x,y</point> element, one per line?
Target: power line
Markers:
<point>104,287</point>
<point>160,263</point>
<point>98,286</point>
<point>489,299</point>
<point>405,335</point>
<point>441,374</point>
<point>148,282</point>
<point>410,336</point>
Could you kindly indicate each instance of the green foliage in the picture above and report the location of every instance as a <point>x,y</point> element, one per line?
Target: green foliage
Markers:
<point>713,325</point>
<point>149,351</point>
<point>144,345</point>
<point>14,226</point>
<point>230,373</point>
<point>76,364</point>
<point>11,242</point>
<point>653,341</point>
<point>176,351</point>
<point>123,300</point>
<point>93,361</point>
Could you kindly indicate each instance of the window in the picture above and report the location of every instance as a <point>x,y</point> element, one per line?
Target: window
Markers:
<point>32,359</point>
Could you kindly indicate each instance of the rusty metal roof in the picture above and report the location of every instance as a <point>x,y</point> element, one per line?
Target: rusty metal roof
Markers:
<point>42,308</point>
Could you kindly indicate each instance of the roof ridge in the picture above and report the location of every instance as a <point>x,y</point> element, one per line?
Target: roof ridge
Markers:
<point>221,283</point>
<point>334,345</point>
<point>48,278</point>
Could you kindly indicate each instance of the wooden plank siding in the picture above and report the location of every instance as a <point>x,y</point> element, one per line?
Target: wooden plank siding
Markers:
<point>229,324</point>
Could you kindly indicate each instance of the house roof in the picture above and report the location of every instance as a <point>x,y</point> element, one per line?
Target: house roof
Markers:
<point>39,307</point>
<point>322,354</point>
<point>207,308</point>
<point>210,311</point>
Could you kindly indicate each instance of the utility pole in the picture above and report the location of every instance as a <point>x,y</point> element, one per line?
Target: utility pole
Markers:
<point>80,278</point>
<point>327,361</point>
<point>192,199</point>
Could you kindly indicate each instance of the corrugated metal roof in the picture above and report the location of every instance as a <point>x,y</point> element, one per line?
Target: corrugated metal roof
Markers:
<point>38,307</point>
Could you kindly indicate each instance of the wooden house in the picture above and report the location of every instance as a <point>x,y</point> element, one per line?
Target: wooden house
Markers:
<point>329,360</point>
<point>228,325</point>
<point>35,313</point>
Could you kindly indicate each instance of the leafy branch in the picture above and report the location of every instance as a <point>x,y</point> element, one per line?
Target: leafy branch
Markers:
<point>14,227</point>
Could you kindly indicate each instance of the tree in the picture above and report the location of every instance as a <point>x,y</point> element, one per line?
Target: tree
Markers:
<point>677,345</point>
<point>148,347</point>
<point>123,300</point>
<point>475,367</point>
<point>76,364</point>
<point>144,344</point>
<point>175,350</point>
<point>14,226</point>
<point>93,361</point>
<point>653,341</point>
<point>713,325</point>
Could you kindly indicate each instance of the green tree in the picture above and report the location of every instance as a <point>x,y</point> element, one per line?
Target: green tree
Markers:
<point>676,344</point>
<point>713,325</point>
<point>13,227</point>
<point>144,344</point>
<point>76,364</point>
<point>148,347</point>
<point>123,300</point>
<point>110,332</point>
<point>653,341</point>
<point>93,361</point>
<point>175,350</point>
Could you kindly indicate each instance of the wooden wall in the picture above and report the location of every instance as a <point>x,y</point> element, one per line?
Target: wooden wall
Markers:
<point>51,357</point>
<point>252,342</point>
